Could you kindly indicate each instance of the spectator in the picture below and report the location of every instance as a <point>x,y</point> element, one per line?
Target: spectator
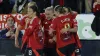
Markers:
<point>9,32</point>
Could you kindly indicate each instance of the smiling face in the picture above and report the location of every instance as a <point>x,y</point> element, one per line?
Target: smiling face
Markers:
<point>30,11</point>
<point>49,14</point>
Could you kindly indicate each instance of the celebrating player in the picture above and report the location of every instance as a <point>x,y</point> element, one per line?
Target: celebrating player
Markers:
<point>32,41</point>
<point>47,17</point>
<point>64,32</point>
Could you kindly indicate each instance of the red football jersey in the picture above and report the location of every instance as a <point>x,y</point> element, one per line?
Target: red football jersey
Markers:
<point>22,22</point>
<point>46,23</point>
<point>33,34</point>
<point>77,40</point>
<point>60,23</point>
<point>73,18</point>
<point>96,7</point>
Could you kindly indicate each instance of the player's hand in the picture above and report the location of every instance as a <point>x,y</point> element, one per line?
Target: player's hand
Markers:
<point>54,38</point>
<point>12,36</point>
<point>64,30</point>
<point>51,40</point>
<point>17,43</point>
<point>8,34</point>
<point>27,20</point>
<point>51,32</point>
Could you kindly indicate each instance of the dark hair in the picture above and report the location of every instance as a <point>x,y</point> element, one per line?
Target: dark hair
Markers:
<point>60,9</point>
<point>35,8</point>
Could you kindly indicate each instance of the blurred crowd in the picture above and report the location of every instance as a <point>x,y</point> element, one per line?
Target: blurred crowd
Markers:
<point>17,6</point>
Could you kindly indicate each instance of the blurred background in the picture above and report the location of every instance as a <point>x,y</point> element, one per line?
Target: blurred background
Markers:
<point>81,6</point>
<point>90,42</point>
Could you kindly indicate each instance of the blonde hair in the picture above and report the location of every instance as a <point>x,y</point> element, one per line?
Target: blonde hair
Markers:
<point>66,9</point>
<point>32,4</point>
<point>49,8</point>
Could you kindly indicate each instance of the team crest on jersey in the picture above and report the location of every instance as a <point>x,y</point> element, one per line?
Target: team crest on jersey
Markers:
<point>67,25</point>
<point>67,19</point>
